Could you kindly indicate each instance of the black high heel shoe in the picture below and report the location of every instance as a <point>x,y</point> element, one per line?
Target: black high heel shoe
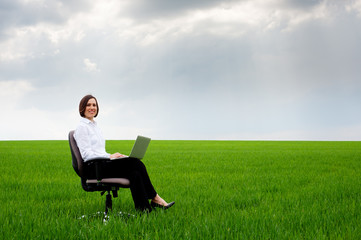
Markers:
<point>156,205</point>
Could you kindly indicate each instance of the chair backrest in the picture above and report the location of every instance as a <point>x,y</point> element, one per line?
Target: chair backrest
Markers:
<point>78,162</point>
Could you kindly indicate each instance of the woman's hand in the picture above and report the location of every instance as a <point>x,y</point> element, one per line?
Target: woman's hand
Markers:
<point>117,155</point>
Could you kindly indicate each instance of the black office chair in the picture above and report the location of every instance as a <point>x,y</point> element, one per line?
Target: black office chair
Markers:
<point>99,184</point>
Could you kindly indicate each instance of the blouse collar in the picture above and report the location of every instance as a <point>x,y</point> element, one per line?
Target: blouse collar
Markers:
<point>87,121</point>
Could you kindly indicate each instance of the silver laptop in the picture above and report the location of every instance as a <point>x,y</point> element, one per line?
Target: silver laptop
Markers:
<point>139,148</point>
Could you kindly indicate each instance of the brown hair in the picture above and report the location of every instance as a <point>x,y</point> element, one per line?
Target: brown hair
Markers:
<point>84,102</point>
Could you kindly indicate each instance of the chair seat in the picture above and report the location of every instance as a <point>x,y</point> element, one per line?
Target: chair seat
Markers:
<point>119,181</point>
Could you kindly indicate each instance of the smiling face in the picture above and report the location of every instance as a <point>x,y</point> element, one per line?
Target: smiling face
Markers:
<point>91,109</point>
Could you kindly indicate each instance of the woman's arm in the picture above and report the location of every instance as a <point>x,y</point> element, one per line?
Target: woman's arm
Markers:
<point>83,140</point>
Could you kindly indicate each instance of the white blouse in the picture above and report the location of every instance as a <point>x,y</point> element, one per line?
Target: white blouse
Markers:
<point>90,140</point>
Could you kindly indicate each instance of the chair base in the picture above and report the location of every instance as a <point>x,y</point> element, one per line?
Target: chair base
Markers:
<point>105,218</point>
<point>108,206</point>
<point>108,202</point>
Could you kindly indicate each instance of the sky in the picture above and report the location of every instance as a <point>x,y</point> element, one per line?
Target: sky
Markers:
<point>191,69</point>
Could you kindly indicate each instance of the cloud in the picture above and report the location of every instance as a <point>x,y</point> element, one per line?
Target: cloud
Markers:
<point>14,91</point>
<point>160,9</point>
<point>354,6</point>
<point>27,13</point>
<point>90,66</point>
<point>185,70</point>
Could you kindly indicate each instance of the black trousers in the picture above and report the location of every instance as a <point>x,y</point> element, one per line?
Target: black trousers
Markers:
<point>133,169</point>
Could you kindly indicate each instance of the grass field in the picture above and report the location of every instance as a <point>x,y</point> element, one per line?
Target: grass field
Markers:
<point>222,189</point>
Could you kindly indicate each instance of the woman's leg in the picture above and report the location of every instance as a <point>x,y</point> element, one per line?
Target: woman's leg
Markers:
<point>139,192</point>
<point>140,184</point>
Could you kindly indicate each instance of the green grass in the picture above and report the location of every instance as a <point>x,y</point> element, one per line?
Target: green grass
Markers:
<point>222,189</point>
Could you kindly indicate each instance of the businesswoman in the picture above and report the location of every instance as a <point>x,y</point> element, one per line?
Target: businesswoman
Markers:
<point>91,144</point>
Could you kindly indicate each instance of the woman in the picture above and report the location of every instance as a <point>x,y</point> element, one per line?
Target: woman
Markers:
<point>92,144</point>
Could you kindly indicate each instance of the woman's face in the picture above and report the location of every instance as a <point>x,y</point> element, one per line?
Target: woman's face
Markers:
<point>91,109</point>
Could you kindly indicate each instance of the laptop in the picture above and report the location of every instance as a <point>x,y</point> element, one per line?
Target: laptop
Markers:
<point>139,148</point>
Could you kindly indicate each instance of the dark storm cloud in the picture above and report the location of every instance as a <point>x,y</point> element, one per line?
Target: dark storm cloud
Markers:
<point>160,9</point>
<point>301,4</point>
<point>16,13</point>
<point>143,9</point>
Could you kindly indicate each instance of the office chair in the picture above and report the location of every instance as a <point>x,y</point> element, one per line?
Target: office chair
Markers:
<point>99,184</point>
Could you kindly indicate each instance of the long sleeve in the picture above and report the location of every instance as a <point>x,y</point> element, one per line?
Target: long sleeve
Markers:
<point>90,140</point>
